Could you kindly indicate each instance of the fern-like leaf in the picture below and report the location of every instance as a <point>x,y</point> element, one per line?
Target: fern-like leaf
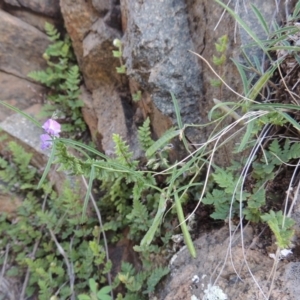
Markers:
<point>52,32</point>
<point>123,155</point>
<point>156,275</point>
<point>144,135</point>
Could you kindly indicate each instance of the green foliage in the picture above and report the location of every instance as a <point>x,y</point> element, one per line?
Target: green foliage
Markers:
<point>15,171</point>
<point>130,199</point>
<point>137,96</point>
<point>247,186</point>
<point>96,294</point>
<point>144,135</point>
<point>118,53</point>
<point>62,76</point>
<point>281,226</point>
<point>227,194</point>
<point>220,60</point>
<point>145,280</point>
<point>42,216</point>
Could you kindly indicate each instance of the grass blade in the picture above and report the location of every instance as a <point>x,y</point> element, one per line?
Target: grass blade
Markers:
<point>179,121</point>
<point>147,239</point>
<point>243,76</point>
<point>246,136</point>
<point>88,193</point>
<point>261,19</point>
<point>21,113</point>
<point>47,169</point>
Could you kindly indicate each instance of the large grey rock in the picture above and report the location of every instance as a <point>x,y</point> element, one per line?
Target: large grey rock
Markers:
<point>156,49</point>
<point>21,46</point>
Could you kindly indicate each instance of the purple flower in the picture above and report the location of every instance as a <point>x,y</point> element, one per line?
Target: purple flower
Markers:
<point>46,141</point>
<point>52,127</point>
<point>52,130</point>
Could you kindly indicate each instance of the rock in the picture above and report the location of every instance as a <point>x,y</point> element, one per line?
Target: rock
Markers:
<point>158,62</point>
<point>79,16</point>
<point>46,7</point>
<point>89,113</point>
<point>22,46</point>
<point>117,120</point>
<point>229,270</point>
<point>13,3</point>
<point>92,40</point>
<point>98,64</point>
<point>107,101</point>
<point>33,19</point>
<point>9,203</point>
<point>292,277</point>
<point>102,6</point>
<point>21,94</point>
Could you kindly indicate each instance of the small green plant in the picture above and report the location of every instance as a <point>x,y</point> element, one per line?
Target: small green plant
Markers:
<point>137,96</point>
<point>220,60</point>
<point>230,192</point>
<point>63,78</point>
<point>48,239</point>
<point>142,198</point>
<point>102,294</point>
<point>140,281</point>
<point>15,170</point>
<point>281,226</point>
<point>118,53</point>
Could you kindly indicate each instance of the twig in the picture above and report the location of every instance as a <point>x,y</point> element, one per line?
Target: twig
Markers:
<point>5,261</point>
<point>69,267</point>
<point>27,276</point>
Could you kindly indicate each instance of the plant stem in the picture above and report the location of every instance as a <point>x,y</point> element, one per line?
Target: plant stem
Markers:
<point>186,235</point>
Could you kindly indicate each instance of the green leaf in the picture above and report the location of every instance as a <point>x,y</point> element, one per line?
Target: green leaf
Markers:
<point>93,285</point>
<point>84,297</point>
<point>246,136</point>
<point>261,19</point>
<point>155,277</point>
<point>147,239</point>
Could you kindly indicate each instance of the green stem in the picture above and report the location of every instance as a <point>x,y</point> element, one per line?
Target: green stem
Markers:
<point>186,235</point>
